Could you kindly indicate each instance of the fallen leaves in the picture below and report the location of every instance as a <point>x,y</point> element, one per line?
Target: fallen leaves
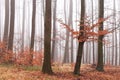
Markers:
<point>63,72</point>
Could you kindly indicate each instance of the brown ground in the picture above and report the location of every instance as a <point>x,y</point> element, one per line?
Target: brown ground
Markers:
<point>61,73</point>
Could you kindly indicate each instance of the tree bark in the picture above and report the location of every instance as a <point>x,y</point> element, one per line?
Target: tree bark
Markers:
<point>6,27</point>
<point>12,19</point>
<point>23,26</point>
<point>47,40</point>
<point>100,38</point>
<point>66,53</point>
<point>33,31</point>
<point>54,31</point>
<point>81,44</point>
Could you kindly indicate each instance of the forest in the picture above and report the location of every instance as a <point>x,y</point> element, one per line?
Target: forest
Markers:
<point>59,40</point>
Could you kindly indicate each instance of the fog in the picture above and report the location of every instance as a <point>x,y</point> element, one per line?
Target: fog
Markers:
<point>39,33</point>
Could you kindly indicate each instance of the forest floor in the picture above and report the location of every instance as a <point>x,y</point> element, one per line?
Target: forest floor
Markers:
<point>12,72</point>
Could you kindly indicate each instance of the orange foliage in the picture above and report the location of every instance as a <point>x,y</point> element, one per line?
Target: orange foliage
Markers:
<point>88,30</point>
<point>20,58</point>
<point>38,58</point>
<point>5,55</point>
<point>24,58</point>
<point>103,32</point>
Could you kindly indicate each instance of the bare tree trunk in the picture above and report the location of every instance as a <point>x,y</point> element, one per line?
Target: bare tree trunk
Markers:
<point>47,40</point>
<point>12,19</point>
<point>42,20</point>
<point>71,24</point>
<point>43,7</point>
<point>66,53</point>
<point>89,48</point>
<point>93,37</point>
<point>54,31</point>
<point>0,24</point>
<point>119,47</point>
<point>33,30</point>
<point>100,38</point>
<point>104,53</point>
<point>33,25</point>
<point>23,26</point>
<point>116,53</point>
<point>6,27</point>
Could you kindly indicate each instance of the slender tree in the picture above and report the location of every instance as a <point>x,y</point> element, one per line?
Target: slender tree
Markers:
<point>23,25</point>
<point>81,44</point>
<point>6,27</point>
<point>12,21</point>
<point>114,18</point>
<point>33,30</point>
<point>33,25</point>
<point>42,20</point>
<point>66,52</point>
<point>100,38</point>
<point>0,23</point>
<point>47,39</point>
<point>93,37</point>
<point>54,31</point>
<point>71,24</point>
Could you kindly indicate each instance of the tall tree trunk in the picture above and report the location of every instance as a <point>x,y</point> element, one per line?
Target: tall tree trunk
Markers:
<point>89,53</point>
<point>81,44</point>
<point>93,37</point>
<point>119,47</point>
<point>113,39</point>
<point>43,7</point>
<point>12,19</point>
<point>0,24</point>
<point>42,20</point>
<point>114,16</point>
<point>104,54</point>
<point>54,31</point>
<point>6,27</point>
<point>100,38</point>
<point>71,24</point>
<point>47,40</point>
<point>66,53</point>
<point>33,30</point>
<point>23,26</point>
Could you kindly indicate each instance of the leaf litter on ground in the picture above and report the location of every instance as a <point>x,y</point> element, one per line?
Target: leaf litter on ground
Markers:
<point>62,72</point>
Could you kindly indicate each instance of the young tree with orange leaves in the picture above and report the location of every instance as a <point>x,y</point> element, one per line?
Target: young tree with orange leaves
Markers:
<point>86,33</point>
<point>81,44</point>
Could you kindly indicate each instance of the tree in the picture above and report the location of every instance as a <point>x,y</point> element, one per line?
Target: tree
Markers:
<point>42,20</point>
<point>47,39</point>
<point>33,30</point>
<point>67,44</point>
<point>116,49</point>
<point>93,31</point>
<point>81,44</point>
<point>100,37</point>
<point>0,23</point>
<point>12,19</point>
<point>54,31</point>
<point>6,27</point>
<point>66,53</point>
<point>70,22</point>
<point>23,26</point>
<point>33,25</point>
